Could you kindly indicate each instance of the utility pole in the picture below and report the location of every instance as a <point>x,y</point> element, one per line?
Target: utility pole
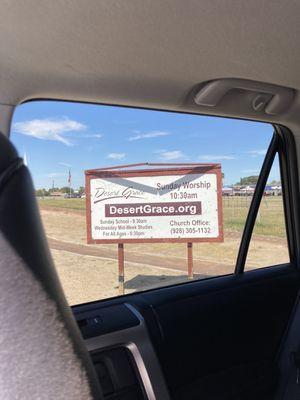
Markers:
<point>69,180</point>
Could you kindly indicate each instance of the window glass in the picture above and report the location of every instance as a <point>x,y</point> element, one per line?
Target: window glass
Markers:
<point>268,245</point>
<point>59,141</point>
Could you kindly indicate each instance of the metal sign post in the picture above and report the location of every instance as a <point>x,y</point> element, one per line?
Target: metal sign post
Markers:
<point>121,267</point>
<point>190,260</point>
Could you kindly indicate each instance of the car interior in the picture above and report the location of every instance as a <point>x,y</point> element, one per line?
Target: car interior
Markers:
<point>233,336</point>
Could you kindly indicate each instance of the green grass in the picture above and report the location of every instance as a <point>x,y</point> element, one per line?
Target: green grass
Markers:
<point>270,221</point>
<point>71,204</point>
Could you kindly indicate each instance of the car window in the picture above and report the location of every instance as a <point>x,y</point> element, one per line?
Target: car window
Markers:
<point>268,245</point>
<point>136,199</point>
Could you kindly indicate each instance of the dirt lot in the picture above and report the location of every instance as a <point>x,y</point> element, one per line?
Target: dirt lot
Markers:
<point>89,272</point>
<point>86,278</point>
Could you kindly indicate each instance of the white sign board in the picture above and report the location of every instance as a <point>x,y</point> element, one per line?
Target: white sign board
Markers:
<point>167,205</point>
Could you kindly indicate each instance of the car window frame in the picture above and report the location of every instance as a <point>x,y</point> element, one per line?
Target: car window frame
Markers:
<point>283,144</point>
<point>286,150</point>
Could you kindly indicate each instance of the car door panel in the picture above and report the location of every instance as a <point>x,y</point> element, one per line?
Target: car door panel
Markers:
<point>219,338</point>
<point>213,339</point>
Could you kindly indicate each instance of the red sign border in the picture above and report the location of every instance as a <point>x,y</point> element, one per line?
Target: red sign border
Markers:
<point>197,169</point>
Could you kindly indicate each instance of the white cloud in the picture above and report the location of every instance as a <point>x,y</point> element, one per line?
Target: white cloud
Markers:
<point>116,156</point>
<point>83,135</point>
<point>171,155</point>
<point>65,164</point>
<point>256,153</point>
<point>215,157</point>
<point>49,129</point>
<point>148,135</point>
<point>96,135</point>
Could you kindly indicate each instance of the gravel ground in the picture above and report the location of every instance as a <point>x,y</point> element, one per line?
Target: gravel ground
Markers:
<point>86,278</point>
<point>93,277</point>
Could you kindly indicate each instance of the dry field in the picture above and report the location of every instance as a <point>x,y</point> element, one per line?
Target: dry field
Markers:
<point>89,272</point>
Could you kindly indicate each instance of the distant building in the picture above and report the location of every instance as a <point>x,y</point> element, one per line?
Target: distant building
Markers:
<point>57,194</point>
<point>244,190</point>
<point>228,191</point>
<point>274,190</point>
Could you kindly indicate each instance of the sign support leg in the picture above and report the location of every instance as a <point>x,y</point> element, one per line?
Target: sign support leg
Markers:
<point>121,267</point>
<point>190,260</point>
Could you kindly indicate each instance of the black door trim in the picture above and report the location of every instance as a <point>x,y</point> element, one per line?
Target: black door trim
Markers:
<point>255,203</point>
<point>282,143</point>
<point>290,191</point>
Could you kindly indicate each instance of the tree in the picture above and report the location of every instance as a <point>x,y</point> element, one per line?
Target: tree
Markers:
<point>54,189</point>
<point>41,192</point>
<point>249,180</point>
<point>81,190</point>
<point>274,182</point>
<point>66,189</point>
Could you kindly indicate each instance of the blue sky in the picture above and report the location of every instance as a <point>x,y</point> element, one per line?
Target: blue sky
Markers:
<point>57,136</point>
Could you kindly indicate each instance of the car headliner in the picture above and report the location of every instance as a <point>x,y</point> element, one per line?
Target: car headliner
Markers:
<point>149,53</point>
